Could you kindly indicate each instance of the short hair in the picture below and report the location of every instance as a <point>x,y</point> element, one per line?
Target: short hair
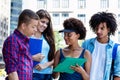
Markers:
<point>108,18</point>
<point>77,25</point>
<point>26,16</point>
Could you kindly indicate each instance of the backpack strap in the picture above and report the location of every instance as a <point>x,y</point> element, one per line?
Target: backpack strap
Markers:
<point>114,53</point>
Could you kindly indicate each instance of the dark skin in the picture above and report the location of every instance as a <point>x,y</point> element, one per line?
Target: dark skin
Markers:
<point>102,36</point>
<point>74,50</point>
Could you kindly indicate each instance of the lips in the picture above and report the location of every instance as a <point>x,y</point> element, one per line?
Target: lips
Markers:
<point>98,34</point>
<point>42,28</point>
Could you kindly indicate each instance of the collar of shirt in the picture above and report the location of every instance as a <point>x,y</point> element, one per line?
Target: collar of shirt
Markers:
<point>110,42</point>
<point>21,36</point>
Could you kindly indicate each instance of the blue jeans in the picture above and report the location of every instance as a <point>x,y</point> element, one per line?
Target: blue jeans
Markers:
<point>37,76</point>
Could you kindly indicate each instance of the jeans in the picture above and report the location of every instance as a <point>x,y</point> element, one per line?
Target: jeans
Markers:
<point>37,76</point>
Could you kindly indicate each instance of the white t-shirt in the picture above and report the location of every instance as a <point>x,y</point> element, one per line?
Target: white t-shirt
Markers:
<point>98,61</point>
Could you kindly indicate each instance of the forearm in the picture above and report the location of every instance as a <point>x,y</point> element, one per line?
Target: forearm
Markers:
<point>33,57</point>
<point>38,57</point>
<point>50,63</point>
<point>13,76</point>
<point>116,78</point>
<point>81,71</point>
<point>85,75</point>
<point>55,75</point>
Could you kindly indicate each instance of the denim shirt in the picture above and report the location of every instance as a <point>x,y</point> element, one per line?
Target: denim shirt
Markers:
<point>89,44</point>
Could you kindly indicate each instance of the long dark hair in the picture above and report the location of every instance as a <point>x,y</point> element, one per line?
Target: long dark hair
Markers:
<point>48,33</point>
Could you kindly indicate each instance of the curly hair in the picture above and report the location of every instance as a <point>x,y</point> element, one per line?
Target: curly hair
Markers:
<point>101,17</point>
<point>76,25</point>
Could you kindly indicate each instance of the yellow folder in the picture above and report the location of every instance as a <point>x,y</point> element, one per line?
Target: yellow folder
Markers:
<point>65,65</point>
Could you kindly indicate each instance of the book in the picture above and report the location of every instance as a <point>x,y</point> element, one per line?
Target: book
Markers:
<point>35,47</point>
<point>65,65</point>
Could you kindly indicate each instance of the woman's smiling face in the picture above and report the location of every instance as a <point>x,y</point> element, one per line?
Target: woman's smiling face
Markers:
<point>43,24</point>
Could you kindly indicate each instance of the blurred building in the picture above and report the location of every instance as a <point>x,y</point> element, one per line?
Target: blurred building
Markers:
<point>16,8</point>
<point>81,9</point>
<point>59,11</point>
<point>4,21</point>
<point>9,12</point>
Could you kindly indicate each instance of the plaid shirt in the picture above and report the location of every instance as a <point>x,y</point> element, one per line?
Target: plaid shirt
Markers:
<point>17,57</point>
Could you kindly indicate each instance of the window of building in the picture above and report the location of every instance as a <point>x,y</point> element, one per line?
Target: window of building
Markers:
<point>4,34</point>
<point>40,4</point>
<point>65,3</point>
<point>119,4</point>
<point>15,11</point>
<point>118,36</point>
<point>0,41</point>
<point>1,24</point>
<point>16,4</point>
<point>56,18</point>
<point>81,4</point>
<point>119,16</point>
<point>104,3</point>
<point>56,3</point>
<point>82,17</point>
<point>119,20</point>
<point>12,27</point>
<point>1,33</point>
<point>14,18</point>
<point>64,16</point>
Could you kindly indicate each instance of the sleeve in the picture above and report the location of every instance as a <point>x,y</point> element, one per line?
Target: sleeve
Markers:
<point>117,63</point>
<point>84,44</point>
<point>10,54</point>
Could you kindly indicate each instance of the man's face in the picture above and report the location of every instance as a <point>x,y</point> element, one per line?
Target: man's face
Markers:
<point>102,31</point>
<point>31,28</point>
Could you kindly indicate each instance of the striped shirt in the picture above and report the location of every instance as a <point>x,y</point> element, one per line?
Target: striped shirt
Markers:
<point>17,57</point>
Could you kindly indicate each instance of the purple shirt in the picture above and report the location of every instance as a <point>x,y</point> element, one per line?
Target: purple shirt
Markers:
<point>17,57</point>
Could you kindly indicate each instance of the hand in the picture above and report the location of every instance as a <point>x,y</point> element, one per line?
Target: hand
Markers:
<point>40,66</point>
<point>13,76</point>
<point>38,57</point>
<point>77,68</point>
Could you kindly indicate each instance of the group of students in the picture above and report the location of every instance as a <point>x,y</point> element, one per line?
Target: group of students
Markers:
<point>97,51</point>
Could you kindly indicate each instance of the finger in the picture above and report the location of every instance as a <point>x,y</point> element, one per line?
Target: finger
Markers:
<point>77,65</point>
<point>72,67</point>
<point>38,68</point>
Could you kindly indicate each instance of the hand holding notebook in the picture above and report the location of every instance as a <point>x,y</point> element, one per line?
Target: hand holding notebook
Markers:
<point>38,57</point>
<point>35,48</point>
<point>65,65</point>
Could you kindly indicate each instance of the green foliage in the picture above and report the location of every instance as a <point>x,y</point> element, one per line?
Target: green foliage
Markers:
<point>59,40</point>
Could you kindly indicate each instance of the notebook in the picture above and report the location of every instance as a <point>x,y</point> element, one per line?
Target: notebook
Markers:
<point>35,47</point>
<point>65,65</point>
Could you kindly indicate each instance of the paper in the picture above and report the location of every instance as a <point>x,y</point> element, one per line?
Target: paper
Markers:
<point>65,65</point>
<point>35,47</point>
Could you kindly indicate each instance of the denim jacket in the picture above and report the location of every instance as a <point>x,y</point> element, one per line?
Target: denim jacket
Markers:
<point>89,44</point>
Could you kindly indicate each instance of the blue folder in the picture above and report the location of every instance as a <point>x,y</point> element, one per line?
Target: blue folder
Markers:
<point>35,47</point>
